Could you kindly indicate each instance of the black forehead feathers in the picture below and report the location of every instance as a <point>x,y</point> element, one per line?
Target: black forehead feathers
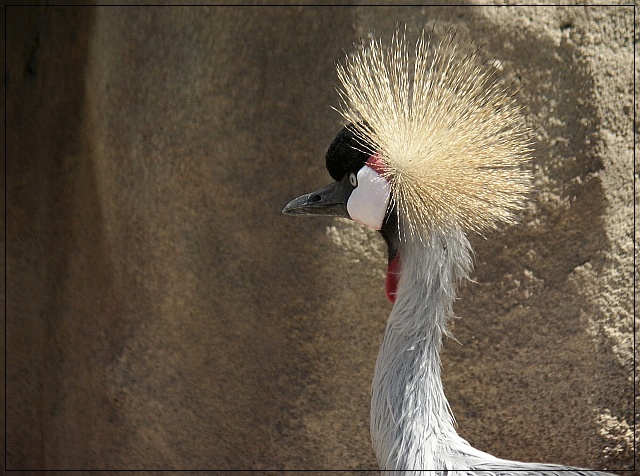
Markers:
<point>345,154</point>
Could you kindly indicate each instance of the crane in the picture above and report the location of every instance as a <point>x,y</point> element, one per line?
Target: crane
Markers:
<point>434,147</point>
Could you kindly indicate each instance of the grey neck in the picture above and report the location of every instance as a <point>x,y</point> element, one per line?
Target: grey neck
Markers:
<point>411,422</point>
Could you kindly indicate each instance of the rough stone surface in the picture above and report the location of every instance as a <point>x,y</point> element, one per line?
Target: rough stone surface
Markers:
<point>162,314</point>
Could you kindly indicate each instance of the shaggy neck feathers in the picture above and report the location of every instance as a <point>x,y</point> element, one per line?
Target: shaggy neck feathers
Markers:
<point>411,422</point>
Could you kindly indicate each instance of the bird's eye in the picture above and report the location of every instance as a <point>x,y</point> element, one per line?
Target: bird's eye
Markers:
<point>353,179</point>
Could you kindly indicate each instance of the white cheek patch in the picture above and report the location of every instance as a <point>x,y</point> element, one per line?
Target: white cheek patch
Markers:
<point>368,201</point>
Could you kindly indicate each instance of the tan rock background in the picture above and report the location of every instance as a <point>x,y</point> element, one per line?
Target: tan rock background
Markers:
<point>162,314</point>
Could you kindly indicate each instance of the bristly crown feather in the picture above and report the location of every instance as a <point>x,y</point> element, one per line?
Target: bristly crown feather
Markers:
<point>449,132</point>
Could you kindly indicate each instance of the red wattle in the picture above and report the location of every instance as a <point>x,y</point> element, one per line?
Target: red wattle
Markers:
<point>393,271</point>
<point>393,276</point>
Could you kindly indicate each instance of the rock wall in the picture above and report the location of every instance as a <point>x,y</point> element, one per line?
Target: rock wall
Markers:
<point>162,314</point>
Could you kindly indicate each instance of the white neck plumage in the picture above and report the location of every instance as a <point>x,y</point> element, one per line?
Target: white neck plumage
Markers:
<point>411,422</point>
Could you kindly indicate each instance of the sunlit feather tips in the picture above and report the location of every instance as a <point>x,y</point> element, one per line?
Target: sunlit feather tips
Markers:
<point>449,132</point>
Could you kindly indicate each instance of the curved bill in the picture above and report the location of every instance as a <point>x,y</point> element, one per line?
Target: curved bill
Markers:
<point>328,201</point>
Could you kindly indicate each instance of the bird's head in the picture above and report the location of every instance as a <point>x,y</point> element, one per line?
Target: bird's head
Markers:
<point>435,142</point>
<point>360,190</point>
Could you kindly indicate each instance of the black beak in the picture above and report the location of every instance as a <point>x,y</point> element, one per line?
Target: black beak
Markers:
<point>328,201</point>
